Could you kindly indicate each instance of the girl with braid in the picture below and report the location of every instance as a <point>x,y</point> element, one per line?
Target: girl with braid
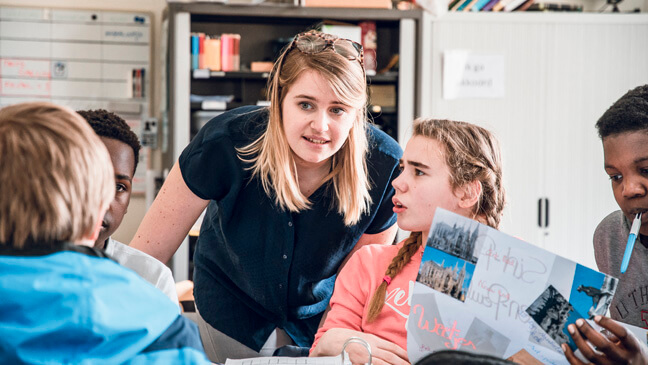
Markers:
<point>452,165</point>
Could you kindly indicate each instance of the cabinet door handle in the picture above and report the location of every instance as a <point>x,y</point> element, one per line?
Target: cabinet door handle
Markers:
<point>540,212</point>
<point>546,212</point>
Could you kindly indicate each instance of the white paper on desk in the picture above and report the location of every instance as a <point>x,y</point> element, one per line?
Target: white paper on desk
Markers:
<point>470,75</point>
<point>475,284</point>
<point>278,360</point>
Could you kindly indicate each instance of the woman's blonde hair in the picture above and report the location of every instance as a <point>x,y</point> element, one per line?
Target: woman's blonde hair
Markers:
<point>56,176</point>
<point>271,157</point>
<point>472,154</point>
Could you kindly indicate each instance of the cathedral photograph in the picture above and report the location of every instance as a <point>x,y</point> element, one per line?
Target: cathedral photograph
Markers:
<point>445,273</point>
<point>554,313</point>
<point>458,238</point>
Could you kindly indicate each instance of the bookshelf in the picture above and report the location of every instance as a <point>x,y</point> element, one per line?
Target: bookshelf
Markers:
<point>259,26</point>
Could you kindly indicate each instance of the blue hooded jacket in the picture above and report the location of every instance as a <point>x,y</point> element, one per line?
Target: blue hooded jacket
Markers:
<point>71,307</point>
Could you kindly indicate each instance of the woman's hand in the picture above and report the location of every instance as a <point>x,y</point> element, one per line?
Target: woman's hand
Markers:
<point>617,347</point>
<point>382,352</point>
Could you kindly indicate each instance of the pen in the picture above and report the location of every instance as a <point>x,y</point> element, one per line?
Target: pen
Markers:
<point>634,232</point>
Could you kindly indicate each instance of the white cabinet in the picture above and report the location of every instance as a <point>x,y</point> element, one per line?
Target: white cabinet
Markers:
<point>562,71</point>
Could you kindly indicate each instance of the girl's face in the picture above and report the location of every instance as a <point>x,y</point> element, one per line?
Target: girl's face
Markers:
<point>423,185</point>
<point>315,122</point>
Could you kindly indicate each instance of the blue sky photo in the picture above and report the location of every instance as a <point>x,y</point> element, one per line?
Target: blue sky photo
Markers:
<point>586,277</point>
<point>438,256</point>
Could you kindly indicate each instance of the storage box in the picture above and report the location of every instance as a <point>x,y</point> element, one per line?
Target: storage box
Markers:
<point>383,4</point>
<point>383,95</point>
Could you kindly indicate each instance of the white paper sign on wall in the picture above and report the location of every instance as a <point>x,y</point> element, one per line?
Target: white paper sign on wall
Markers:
<point>470,75</point>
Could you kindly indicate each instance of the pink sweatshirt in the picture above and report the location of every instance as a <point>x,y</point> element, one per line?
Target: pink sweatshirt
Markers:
<point>357,283</point>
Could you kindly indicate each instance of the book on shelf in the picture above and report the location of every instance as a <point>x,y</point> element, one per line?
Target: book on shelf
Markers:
<point>137,82</point>
<point>215,52</point>
<point>212,50</point>
<point>469,5</point>
<point>195,51</point>
<point>500,5</point>
<point>201,50</point>
<point>230,52</point>
<point>542,6</point>
<point>452,6</point>
<point>369,46</point>
<point>480,5</point>
<point>384,4</point>
<point>463,5</point>
<point>489,6</point>
<point>514,4</point>
<point>525,5</point>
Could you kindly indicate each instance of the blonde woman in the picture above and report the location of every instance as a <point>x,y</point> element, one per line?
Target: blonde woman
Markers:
<point>452,165</point>
<point>291,190</point>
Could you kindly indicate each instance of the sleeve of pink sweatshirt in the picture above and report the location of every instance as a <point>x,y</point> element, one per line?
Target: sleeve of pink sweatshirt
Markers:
<point>349,297</point>
<point>355,287</point>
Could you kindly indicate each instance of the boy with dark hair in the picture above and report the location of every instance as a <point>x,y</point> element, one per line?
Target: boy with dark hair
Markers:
<point>123,147</point>
<point>623,128</point>
<point>61,300</point>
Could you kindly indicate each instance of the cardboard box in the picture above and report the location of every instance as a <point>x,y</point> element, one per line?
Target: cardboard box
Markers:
<point>383,95</point>
<point>382,4</point>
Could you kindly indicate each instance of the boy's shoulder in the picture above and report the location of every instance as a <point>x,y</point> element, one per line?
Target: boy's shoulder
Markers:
<point>615,222</point>
<point>145,265</point>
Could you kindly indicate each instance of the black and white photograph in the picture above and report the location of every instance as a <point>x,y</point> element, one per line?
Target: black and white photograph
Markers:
<point>486,339</point>
<point>455,235</point>
<point>552,311</point>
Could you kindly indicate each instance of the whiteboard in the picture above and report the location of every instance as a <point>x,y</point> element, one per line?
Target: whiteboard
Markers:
<point>83,59</point>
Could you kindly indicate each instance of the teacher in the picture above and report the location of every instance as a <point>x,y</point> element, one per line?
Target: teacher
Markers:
<point>291,191</point>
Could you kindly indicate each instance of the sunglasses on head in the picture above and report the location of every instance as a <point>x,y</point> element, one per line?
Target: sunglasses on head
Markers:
<point>311,43</point>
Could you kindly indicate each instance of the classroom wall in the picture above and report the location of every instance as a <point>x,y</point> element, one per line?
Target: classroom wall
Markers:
<point>137,206</point>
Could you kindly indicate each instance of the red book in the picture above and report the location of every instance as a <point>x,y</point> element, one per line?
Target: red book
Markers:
<point>227,52</point>
<point>369,44</point>
<point>201,50</point>
<point>236,52</point>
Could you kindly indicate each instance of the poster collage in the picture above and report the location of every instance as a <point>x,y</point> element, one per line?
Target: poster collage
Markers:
<point>481,290</point>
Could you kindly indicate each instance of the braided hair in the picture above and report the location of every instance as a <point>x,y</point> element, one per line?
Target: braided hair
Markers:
<point>472,154</point>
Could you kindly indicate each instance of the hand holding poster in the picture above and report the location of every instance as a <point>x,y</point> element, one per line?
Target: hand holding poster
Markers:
<point>483,291</point>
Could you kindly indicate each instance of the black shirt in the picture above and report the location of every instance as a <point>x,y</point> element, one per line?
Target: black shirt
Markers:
<point>258,267</point>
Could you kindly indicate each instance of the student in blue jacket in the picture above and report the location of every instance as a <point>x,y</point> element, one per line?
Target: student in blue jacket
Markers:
<point>291,190</point>
<point>61,300</point>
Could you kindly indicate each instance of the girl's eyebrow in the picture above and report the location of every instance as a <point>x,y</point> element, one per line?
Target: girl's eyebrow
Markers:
<point>308,97</point>
<point>414,163</point>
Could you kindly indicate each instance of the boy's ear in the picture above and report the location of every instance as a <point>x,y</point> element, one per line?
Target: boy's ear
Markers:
<point>89,238</point>
<point>469,194</point>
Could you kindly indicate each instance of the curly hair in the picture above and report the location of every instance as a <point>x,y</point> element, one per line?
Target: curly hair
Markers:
<point>110,125</point>
<point>628,114</point>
